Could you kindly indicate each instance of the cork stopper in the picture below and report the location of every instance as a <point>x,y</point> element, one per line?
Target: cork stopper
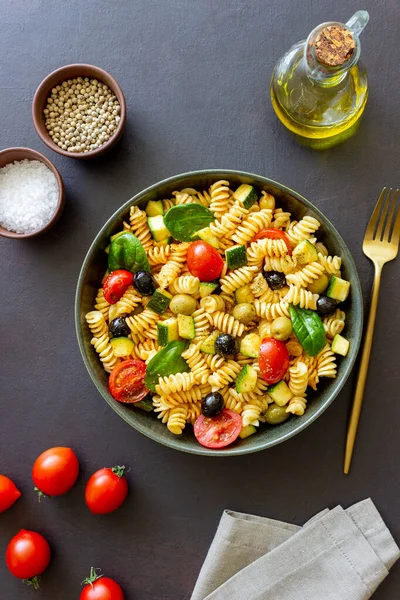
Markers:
<point>334,45</point>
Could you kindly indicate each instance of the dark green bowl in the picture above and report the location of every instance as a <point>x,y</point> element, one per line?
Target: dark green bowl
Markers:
<point>94,267</point>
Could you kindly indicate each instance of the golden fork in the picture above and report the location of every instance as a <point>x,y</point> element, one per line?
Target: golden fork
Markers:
<point>381,244</point>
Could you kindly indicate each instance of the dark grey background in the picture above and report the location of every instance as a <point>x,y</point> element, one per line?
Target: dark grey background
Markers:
<point>196,78</point>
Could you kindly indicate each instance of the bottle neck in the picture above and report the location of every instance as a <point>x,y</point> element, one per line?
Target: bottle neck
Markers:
<point>322,75</point>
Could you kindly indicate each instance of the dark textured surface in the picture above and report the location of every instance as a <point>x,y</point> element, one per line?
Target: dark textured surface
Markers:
<point>195,75</point>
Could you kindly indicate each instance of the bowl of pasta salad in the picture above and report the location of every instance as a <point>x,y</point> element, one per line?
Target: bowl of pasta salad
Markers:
<point>218,312</point>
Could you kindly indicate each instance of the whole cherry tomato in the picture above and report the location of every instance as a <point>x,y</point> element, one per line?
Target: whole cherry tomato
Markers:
<point>9,493</point>
<point>126,381</point>
<point>274,234</point>
<point>100,588</point>
<point>203,261</point>
<point>55,471</point>
<point>28,556</point>
<point>273,359</point>
<point>106,490</point>
<point>219,431</point>
<point>116,284</point>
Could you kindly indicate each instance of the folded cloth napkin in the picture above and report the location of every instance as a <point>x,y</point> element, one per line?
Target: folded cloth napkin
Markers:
<point>337,555</point>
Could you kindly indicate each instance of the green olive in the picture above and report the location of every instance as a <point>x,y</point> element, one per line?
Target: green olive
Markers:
<point>245,313</point>
<point>274,415</point>
<point>281,328</point>
<point>183,304</point>
<point>319,285</point>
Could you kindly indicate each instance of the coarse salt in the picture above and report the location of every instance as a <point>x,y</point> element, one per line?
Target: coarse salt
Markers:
<point>28,196</point>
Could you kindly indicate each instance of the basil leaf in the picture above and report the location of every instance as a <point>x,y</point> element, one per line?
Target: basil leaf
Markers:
<point>167,361</point>
<point>146,405</point>
<point>308,329</point>
<point>126,252</point>
<point>186,219</point>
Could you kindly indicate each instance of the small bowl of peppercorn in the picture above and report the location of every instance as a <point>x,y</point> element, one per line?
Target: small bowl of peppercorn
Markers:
<point>79,111</point>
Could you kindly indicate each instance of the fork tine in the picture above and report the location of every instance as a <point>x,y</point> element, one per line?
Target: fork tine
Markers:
<point>374,217</point>
<point>396,227</point>
<point>382,218</point>
<point>389,223</point>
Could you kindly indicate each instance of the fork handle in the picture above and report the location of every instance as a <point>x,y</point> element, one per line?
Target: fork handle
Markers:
<point>362,374</point>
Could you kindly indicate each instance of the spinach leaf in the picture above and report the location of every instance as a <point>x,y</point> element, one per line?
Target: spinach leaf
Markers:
<point>126,252</point>
<point>308,329</point>
<point>185,219</point>
<point>146,404</point>
<point>167,361</point>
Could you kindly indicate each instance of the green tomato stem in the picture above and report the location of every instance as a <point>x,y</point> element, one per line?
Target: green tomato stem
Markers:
<point>33,581</point>
<point>118,471</point>
<point>93,576</point>
<point>40,494</point>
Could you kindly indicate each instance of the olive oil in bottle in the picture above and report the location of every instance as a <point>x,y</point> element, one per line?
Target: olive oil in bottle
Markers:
<point>318,90</point>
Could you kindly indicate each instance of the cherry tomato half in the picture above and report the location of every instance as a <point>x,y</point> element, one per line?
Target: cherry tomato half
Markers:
<point>116,284</point>
<point>126,381</point>
<point>203,261</point>
<point>100,588</point>
<point>55,471</point>
<point>9,493</point>
<point>273,359</point>
<point>219,431</point>
<point>274,234</point>
<point>106,490</point>
<point>27,556</point>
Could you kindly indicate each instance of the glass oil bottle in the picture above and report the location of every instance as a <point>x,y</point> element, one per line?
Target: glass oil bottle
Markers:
<point>318,90</point>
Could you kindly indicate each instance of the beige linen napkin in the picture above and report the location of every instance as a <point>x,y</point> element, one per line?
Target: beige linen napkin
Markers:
<point>338,555</point>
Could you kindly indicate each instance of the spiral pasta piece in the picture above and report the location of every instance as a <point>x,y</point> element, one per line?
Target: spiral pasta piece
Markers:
<point>145,350</point>
<point>192,396</point>
<point>306,275</point>
<point>301,297</point>
<point>272,310</point>
<point>201,324</point>
<point>267,201</point>
<point>197,363</point>
<point>252,225</point>
<point>181,382</point>
<point>193,413</point>
<point>227,324</point>
<point>173,266</point>
<point>224,375</point>
<point>258,250</point>
<point>229,221</point>
<point>214,361</point>
<point>253,411</point>
<point>220,197</point>
<point>97,323</point>
<point>185,284</point>
<point>184,197</point>
<point>263,292</point>
<point>298,378</point>
<point>161,408</point>
<point>101,303</point>
<point>281,219</point>
<point>105,351</point>
<point>230,400</point>
<point>140,227</point>
<point>294,347</point>
<point>321,249</point>
<point>204,198</point>
<point>168,203</point>
<point>331,264</point>
<point>297,406</point>
<point>283,264</point>
<point>177,419</point>
<point>264,329</point>
<point>125,305</point>
<point>212,303</point>
<point>237,279</point>
<point>326,363</point>
<point>334,324</point>
<point>303,229</point>
<point>158,255</point>
<point>144,322</point>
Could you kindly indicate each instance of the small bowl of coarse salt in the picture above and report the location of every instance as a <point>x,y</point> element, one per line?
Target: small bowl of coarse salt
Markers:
<point>79,111</point>
<point>31,193</point>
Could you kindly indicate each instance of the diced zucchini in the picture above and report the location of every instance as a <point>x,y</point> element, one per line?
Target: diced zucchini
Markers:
<point>186,327</point>
<point>280,393</point>
<point>305,252</point>
<point>208,345</point>
<point>207,236</point>
<point>244,295</point>
<point>236,257</point>
<point>250,345</point>
<point>154,208</point>
<point>167,331</point>
<point>207,288</point>
<point>246,380</point>
<point>338,289</point>
<point>340,345</point>
<point>159,301</point>
<point>247,431</point>
<point>157,228</point>
<point>246,195</point>
<point>122,346</point>
<point>114,237</point>
<point>319,285</point>
<point>164,242</point>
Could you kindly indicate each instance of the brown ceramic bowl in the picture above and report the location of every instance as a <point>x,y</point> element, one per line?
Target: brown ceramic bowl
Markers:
<point>71,72</point>
<point>10,155</point>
